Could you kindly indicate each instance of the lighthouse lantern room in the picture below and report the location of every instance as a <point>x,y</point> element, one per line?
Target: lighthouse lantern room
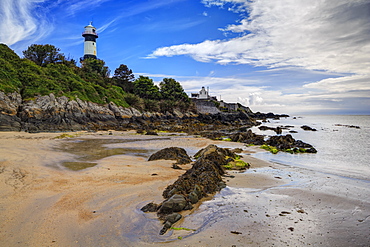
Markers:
<point>90,36</point>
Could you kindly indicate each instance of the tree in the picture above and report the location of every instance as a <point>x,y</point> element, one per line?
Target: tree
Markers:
<point>92,65</point>
<point>124,78</point>
<point>172,90</point>
<point>145,88</point>
<point>43,55</point>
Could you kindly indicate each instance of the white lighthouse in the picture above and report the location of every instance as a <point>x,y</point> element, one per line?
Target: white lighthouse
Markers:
<point>90,36</point>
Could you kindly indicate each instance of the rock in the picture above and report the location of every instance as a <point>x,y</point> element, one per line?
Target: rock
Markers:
<point>173,218</point>
<point>176,203</point>
<point>287,142</point>
<point>9,103</point>
<point>150,207</point>
<point>169,221</point>
<point>151,132</point>
<point>205,177</point>
<point>308,128</point>
<point>175,166</point>
<point>193,197</point>
<point>348,126</point>
<point>172,153</point>
<point>247,137</point>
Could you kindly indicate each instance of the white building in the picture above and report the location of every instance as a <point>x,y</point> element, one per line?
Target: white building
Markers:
<point>203,94</point>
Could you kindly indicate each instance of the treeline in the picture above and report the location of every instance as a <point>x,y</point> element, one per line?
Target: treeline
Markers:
<point>44,70</point>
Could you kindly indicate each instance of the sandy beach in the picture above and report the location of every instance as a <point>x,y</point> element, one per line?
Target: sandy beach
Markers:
<point>45,200</point>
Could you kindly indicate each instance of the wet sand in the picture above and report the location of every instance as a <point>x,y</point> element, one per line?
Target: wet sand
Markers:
<point>43,203</point>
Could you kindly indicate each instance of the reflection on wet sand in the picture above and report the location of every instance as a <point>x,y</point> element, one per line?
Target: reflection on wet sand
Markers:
<point>87,152</point>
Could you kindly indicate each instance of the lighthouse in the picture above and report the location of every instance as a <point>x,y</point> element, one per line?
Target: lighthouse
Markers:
<point>90,36</point>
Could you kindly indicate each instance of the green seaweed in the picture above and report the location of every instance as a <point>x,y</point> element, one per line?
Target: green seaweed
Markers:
<point>271,149</point>
<point>66,135</point>
<point>182,228</point>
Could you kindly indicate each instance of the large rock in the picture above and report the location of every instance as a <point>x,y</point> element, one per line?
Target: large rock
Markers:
<point>175,203</point>
<point>247,137</point>
<point>288,142</point>
<point>172,153</point>
<point>9,104</point>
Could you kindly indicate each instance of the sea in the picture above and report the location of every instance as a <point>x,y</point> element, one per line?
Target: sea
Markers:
<point>342,143</point>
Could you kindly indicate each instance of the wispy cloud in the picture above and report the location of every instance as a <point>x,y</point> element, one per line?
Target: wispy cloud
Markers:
<point>77,5</point>
<point>20,20</point>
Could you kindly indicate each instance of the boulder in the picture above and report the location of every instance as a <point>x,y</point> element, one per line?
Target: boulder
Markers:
<point>172,153</point>
<point>247,137</point>
<point>150,207</point>
<point>288,142</point>
<point>169,221</point>
<point>176,203</point>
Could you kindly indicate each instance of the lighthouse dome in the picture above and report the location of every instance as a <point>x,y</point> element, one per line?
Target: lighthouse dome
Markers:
<point>90,30</point>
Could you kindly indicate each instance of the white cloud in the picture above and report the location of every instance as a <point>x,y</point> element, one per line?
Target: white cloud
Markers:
<point>342,84</point>
<point>317,35</point>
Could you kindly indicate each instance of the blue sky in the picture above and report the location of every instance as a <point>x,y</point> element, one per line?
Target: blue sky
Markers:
<point>281,56</point>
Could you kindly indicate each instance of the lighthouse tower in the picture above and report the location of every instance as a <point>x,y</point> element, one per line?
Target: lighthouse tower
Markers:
<point>90,36</point>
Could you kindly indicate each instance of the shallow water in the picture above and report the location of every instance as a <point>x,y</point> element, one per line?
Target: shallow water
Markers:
<point>86,153</point>
<point>341,150</point>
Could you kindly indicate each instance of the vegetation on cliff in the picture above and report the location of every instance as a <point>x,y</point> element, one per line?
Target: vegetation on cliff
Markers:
<point>45,70</point>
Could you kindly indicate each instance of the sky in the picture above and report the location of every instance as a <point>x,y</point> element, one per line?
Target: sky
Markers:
<point>281,56</point>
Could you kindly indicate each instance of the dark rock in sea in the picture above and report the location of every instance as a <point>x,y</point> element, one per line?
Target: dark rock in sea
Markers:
<point>308,128</point>
<point>348,126</point>
<point>278,130</point>
<point>172,153</point>
<point>264,116</point>
<point>287,142</point>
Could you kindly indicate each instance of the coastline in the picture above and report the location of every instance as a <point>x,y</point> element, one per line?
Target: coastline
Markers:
<point>43,204</point>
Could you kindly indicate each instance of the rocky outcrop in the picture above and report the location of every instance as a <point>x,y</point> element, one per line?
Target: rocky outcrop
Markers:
<point>50,113</point>
<point>9,104</point>
<point>247,137</point>
<point>204,178</point>
<point>287,142</point>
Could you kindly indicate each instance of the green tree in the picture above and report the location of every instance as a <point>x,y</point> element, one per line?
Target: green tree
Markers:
<point>172,90</point>
<point>124,78</point>
<point>43,55</point>
<point>92,65</point>
<point>134,101</point>
<point>145,88</point>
